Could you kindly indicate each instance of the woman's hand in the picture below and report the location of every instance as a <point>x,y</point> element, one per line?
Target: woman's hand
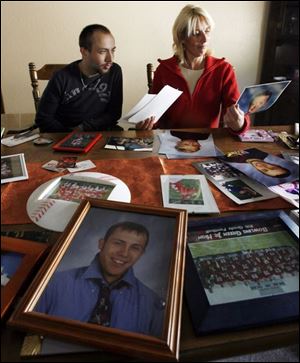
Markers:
<point>234,118</point>
<point>146,124</point>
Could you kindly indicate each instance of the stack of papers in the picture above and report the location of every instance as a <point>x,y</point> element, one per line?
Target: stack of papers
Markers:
<point>153,105</point>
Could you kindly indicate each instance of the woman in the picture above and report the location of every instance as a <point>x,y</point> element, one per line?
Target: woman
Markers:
<point>208,83</point>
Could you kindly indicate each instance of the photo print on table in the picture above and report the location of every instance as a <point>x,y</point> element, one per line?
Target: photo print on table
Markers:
<point>190,192</point>
<point>232,183</point>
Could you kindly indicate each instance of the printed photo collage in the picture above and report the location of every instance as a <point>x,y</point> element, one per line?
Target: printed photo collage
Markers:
<point>233,184</point>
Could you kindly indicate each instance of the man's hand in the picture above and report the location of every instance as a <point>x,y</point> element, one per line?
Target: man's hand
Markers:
<point>234,118</point>
<point>146,124</point>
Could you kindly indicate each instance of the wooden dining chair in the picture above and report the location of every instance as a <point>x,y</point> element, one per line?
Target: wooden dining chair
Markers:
<point>150,75</point>
<point>2,104</point>
<point>43,74</point>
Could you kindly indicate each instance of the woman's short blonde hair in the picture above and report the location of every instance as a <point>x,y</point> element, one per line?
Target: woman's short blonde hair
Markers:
<point>185,25</point>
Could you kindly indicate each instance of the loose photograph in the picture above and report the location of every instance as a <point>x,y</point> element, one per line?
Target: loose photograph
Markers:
<point>217,170</point>
<point>261,97</point>
<point>240,189</point>
<point>190,192</point>
<point>287,190</point>
<point>265,168</point>
<point>186,144</point>
<point>129,143</point>
<point>236,186</point>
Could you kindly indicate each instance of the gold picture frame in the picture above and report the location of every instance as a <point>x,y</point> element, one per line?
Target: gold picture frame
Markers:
<point>162,264</point>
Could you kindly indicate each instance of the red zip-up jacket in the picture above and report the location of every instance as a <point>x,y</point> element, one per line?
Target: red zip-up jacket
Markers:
<point>215,90</point>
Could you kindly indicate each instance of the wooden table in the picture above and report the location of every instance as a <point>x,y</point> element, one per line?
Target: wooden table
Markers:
<point>223,139</point>
<point>192,348</point>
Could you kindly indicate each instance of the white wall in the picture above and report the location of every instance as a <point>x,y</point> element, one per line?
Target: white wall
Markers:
<point>47,32</point>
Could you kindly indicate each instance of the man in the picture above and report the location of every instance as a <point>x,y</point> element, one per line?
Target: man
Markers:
<point>80,293</point>
<point>86,94</point>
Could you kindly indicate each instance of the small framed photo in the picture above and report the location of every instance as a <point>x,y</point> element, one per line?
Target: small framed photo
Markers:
<point>80,142</point>
<point>13,168</point>
<point>190,192</point>
<point>74,188</point>
<point>242,271</point>
<point>114,281</point>
<point>18,258</point>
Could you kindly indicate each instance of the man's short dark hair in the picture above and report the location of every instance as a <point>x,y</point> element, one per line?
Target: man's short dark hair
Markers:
<point>85,37</point>
<point>128,226</point>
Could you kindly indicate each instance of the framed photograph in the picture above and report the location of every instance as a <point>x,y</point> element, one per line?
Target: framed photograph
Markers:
<point>242,271</point>
<point>74,188</point>
<point>18,258</point>
<point>69,190</point>
<point>80,142</point>
<point>13,168</point>
<point>120,267</point>
<point>190,192</point>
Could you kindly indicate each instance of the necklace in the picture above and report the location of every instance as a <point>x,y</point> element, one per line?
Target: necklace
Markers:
<point>86,85</point>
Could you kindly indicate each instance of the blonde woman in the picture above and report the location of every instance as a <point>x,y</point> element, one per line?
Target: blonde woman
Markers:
<point>208,84</point>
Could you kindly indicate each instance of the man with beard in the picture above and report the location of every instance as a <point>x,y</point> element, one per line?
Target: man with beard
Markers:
<point>87,94</point>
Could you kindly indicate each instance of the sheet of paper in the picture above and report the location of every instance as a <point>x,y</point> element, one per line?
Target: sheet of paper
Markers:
<point>158,105</point>
<point>142,103</point>
<point>13,141</point>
